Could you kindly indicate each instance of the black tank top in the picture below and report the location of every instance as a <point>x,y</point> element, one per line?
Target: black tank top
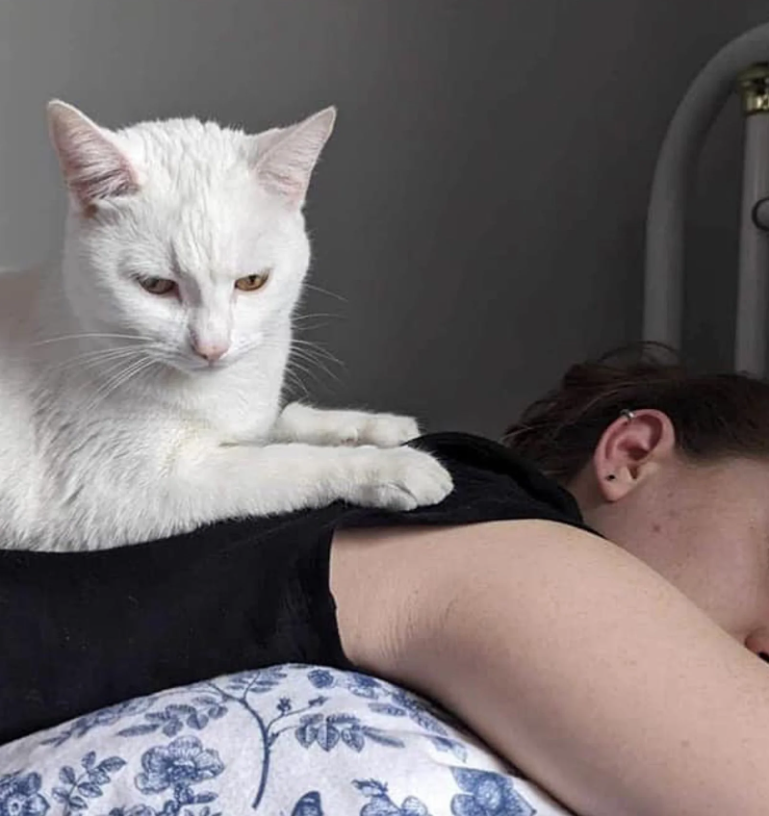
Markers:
<point>82,631</point>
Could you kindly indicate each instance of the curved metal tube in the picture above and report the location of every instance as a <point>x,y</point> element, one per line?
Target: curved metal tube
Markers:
<point>663,284</point>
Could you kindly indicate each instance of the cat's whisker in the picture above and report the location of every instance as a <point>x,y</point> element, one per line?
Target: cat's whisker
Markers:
<point>328,292</point>
<point>110,374</point>
<point>93,358</point>
<point>97,366</point>
<point>312,368</point>
<point>317,348</point>
<point>114,382</point>
<point>310,372</point>
<point>131,374</point>
<point>303,342</point>
<point>301,317</point>
<point>76,364</point>
<point>106,361</point>
<point>294,380</point>
<point>56,365</point>
<point>292,364</point>
<point>118,362</point>
<point>89,335</point>
<point>308,330</point>
<point>307,357</point>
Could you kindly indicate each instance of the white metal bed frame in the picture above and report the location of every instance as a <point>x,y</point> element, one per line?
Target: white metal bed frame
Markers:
<point>744,64</point>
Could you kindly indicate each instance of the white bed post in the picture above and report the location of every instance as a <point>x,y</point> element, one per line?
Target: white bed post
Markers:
<point>676,165</point>
<point>750,343</point>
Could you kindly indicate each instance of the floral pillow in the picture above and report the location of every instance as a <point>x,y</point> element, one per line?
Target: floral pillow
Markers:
<point>284,741</point>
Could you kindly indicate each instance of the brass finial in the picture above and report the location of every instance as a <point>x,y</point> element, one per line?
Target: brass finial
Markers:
<point>754,86</point>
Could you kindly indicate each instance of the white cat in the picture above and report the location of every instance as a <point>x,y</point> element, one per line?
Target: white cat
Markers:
<point>140,382</point>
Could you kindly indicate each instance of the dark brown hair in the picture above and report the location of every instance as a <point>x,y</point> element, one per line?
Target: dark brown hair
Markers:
<point>714,415</point>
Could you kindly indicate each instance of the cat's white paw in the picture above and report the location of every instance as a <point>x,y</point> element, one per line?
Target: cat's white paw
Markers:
<point>381,430</point>
<point>401,479</point>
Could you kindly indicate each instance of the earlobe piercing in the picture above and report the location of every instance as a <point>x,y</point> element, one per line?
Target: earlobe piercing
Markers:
<point>611,478</point>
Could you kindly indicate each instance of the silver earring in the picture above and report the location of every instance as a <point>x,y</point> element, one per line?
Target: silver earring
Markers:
<point>628,414</point>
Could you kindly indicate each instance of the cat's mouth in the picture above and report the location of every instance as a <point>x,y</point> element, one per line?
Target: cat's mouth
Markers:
<point>192,366</point>
<point>196,365</point>
<point>213,365</point>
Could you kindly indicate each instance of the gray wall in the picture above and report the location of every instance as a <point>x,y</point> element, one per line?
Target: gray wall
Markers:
<point>479,212</point>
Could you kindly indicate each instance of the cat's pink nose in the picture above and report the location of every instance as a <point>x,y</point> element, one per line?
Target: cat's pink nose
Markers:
<point>210,351</point>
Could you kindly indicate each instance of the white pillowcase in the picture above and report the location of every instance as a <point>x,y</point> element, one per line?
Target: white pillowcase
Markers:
<point>284,741</point>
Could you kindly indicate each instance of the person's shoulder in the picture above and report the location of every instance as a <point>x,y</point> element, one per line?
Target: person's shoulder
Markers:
<point>578,661</point>
<point>429,567</point>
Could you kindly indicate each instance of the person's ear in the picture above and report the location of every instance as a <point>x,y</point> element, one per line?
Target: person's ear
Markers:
<point>631,449</point>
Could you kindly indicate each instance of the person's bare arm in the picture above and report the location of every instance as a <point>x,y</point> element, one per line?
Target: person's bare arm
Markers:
<point>574,659</point>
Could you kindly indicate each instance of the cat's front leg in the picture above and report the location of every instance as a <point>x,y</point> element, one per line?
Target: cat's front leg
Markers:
<point>197,481</point>
<point>316,426</point>
<point>217,482</point>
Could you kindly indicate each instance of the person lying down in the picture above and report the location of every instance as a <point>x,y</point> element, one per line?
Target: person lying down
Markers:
<point>589,603</point>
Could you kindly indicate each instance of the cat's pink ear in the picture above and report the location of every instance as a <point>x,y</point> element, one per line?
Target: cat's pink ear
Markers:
<point>93,166</point>
<point>287,157</point>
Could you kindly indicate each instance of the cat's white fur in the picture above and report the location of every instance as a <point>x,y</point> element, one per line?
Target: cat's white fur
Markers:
<point>127,416</point>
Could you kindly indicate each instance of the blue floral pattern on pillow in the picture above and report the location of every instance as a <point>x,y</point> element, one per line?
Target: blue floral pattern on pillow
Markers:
<point>20,795</point>
<point>284,741</point>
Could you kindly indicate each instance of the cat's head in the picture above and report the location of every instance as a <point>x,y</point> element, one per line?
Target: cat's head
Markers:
<point>185,234</point>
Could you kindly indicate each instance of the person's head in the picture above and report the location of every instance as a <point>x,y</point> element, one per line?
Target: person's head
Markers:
<point>671,466</point>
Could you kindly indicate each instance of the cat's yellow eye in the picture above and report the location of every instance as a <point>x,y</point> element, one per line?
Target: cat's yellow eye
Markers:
<point>157,286</point>
<point>252,282</point>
